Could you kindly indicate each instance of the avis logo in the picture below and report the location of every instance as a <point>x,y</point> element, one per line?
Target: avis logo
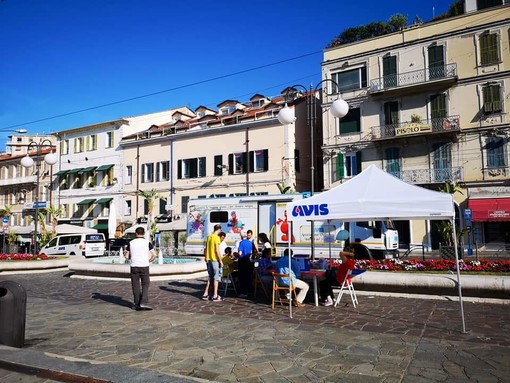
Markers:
<point>308,210</point>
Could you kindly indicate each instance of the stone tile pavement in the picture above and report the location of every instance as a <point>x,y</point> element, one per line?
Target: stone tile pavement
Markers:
<point>384,339</point>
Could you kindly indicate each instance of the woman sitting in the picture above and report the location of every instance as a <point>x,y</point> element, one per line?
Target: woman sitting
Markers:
<point>335,277</point>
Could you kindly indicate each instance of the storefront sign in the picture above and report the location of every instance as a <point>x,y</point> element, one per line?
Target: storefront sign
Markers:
<point>499,214</point>
<point>413,128</point>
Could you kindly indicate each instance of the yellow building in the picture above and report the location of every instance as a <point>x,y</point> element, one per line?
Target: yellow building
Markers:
<point>429,105</point>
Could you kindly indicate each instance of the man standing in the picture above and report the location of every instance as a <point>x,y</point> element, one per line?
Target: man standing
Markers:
<point>282,267</point>
<point>141,253</point>
<point>244,265</point>
<point>214,263</point>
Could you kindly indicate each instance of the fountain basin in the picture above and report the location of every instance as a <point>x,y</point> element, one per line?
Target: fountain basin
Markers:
<point>110,268</point>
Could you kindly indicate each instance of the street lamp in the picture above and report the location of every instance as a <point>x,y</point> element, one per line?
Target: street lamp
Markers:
<point>286,115</point>
<point>28,162</point>
<point>338,108</point>
<point>21,131</point>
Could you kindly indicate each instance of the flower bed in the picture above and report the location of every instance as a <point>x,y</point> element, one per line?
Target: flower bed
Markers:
<point>484,265</point>
<point>23,257</point>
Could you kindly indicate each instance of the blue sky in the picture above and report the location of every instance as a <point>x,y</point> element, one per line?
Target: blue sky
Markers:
<point>61,56</point>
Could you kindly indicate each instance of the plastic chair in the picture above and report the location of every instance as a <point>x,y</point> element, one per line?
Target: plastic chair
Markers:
<point>347,284</point>
<point>282,294</point>
<point>228,281</point>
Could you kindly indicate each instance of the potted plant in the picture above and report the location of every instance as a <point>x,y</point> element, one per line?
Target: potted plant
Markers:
<point>415,118</point>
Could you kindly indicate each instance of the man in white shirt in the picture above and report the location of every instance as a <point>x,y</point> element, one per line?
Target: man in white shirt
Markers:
<point>140,253</point>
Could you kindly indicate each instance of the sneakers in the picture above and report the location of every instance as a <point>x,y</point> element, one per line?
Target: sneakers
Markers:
<point>329,302</point>
<point>145,307</point>
<point>217,299</point>
<point>135,307</point>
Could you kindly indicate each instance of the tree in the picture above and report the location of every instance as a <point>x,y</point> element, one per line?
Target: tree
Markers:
<point>54,213</point>
<point>396,22</point>
<point>284,189</point>
<point>445,228</point>
<point>151,196</point>
<point>6,211</point>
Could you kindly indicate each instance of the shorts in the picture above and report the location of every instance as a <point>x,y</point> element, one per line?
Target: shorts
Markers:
<point>213,269</point>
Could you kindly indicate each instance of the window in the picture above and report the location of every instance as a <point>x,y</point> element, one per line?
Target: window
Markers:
<point>127,208</point>
<point>191,168</point>
<point>184,204</point>
<point>492,99</point>
<point>391,113</point>
<point>92,142</point>
<point>64,147</point>
<point>351,123</point>
<point>109,139</point>
<point>393,161</point>
<point>350,80</point>
<point>489,52</point>
<point>496,153</point>
<point>79,145</point>
<point>227,110</point>
<point>258,161</point>
<point>147,173</point>
<point>483,4</point>
<point>163,171</point>
<point>442,155</point>
<point>162,205</point>
<point>436,62</point>
<point>218,165</point>
<point>390,79</point>
<point>129,175</point>
<point>238,163</point>
<point>346,165</point>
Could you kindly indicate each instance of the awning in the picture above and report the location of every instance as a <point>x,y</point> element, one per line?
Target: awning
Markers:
<point>61,172</point>
<point>74,171</point>
<point>86,170</point>
<point>490,209</point>
<point>104,200</point>
<point>101,226</point>
<point>177,225</point>
<point>104,167</point>
<point>87,201</point>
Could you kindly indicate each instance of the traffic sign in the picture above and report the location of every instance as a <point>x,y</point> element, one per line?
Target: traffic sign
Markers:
<point>468,213</point>
<point>40,204</point>
<point>5,220</point>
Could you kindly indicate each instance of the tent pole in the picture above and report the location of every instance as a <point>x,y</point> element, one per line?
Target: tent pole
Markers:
<point>289,241</point>
<point>458,275</point>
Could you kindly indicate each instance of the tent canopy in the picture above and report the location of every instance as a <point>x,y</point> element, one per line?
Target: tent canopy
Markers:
<point>374,195</point>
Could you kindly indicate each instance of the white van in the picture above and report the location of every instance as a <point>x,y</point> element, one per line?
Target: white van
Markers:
<point>88,245</point>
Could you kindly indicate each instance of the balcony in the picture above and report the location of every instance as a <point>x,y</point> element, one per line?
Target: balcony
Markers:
<point>19,181</point>
<point>430,176</point>
<point>408,81</point>
<point>406,129</point>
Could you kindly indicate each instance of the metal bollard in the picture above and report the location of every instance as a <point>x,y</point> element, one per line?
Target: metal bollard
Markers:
<point>13,308</point>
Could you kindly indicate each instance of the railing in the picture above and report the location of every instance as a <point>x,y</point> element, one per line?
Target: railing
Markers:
<point>496,172</point>
<point>434,125</point>
<point>18,180</point>
<point>426,176</point>
<point>414,77</point>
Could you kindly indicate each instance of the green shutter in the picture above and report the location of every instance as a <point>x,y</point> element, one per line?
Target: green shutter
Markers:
<point>340,166</point>
<point>358,162</point>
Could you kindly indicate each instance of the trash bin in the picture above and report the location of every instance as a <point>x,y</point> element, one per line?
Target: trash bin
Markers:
<point>13,308</point>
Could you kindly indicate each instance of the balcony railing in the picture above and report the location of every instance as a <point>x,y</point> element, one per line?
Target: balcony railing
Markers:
<point>434,125</point>
<point>427,176</point>
<point>414,77</point>
<point>18,181</point>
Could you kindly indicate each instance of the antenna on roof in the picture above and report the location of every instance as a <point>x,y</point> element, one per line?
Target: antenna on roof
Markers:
<point>433,12</point>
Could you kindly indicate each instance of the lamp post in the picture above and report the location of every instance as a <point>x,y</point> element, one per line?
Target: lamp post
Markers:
<point>21,131</point>
<point>286,115</point>
<point>28,162</point>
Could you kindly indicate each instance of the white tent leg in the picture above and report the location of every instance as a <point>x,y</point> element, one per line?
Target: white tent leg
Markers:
<point>458,275</point>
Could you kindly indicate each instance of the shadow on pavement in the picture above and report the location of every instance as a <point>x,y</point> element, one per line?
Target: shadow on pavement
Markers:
<point>112,299</point>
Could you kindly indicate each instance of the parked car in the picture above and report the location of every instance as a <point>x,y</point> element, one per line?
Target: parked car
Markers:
<point>88,245</point>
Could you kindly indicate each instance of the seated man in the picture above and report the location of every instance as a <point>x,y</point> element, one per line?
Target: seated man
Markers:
<point>282,267</point>
<point>336,276</point>
<point>229,262</point>
<point>266,267</point>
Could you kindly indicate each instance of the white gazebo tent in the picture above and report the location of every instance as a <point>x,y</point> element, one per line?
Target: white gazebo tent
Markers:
<point>376,195</point>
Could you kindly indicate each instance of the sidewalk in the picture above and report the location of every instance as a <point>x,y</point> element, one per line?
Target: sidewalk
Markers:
<point>385,339</point>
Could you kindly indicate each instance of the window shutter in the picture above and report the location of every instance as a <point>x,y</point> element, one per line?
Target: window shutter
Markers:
<point>218,165</point>
<point>245,162</point>
<point>230,163</point>
<point>202,167</point>
<point>193,168</point>
<point>179,169</point>
<point>266,160</point>
<point>143,173</point>
<point>358,162</point>
<point>251,161</point>
<point>340,166</point>
<point>158,170</point>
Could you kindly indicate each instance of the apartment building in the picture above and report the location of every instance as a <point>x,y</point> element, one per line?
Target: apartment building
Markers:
<point>237,149</point>
<point>18,185</point>
<point>429,105</point>
<point>90,171</point>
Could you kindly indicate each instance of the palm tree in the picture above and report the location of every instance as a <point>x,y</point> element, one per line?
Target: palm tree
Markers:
<point>6,211</point>
<point>151,196</point>
<point>445,227</point>
<point>55,213</point>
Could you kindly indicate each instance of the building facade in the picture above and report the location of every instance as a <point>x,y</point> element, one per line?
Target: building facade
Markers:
<point>428,105</point>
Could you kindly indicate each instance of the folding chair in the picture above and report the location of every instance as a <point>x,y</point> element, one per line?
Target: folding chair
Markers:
<point>347,284</point>
<point>257,281</point>
<point>286,290</point>
<point>228,281</point>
